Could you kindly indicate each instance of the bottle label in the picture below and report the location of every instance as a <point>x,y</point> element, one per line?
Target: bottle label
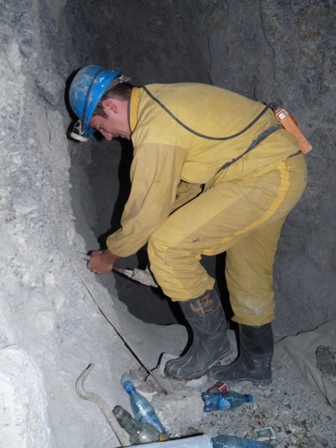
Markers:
<point>220,386</point>
<point>224,404</point>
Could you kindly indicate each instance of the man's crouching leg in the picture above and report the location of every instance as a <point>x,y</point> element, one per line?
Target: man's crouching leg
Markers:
<point>210,341</point>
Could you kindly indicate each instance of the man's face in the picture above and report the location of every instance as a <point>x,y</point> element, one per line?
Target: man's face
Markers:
<point>116,124</point>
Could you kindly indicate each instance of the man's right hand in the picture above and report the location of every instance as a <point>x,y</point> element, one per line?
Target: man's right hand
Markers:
<point>102,261</point>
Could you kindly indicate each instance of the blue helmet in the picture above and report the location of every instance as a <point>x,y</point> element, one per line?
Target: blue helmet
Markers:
<point>86,90</point>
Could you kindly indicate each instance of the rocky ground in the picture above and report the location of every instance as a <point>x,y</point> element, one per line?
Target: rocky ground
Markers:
<point>298,416</point>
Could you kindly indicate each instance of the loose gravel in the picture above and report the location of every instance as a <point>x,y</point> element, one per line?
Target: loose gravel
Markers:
<point>298,416</point>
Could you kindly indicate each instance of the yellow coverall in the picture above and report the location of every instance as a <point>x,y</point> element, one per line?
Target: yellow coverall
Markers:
<point>239,209</point>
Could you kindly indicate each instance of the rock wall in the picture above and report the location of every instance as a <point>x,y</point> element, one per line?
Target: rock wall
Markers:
<point>268,51</point>
<point>285,51</point>
<point>51,329</point>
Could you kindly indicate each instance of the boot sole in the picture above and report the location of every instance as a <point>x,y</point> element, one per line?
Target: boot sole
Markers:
<point>199,374</point>
<point>254,381</point>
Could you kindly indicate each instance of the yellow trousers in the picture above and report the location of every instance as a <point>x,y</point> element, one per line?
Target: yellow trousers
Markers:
<point>242,218</point>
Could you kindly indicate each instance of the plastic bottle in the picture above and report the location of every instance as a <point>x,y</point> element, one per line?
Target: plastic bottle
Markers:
<point>139,432</point>
<point>142,410</point>
<point>224,400</point>
<point>220,386</point>
<point>237,442</point>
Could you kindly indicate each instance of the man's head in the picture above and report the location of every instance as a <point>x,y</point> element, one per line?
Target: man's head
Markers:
<point>99,97</point>
<point>110,117</point>
<point>120,92</point>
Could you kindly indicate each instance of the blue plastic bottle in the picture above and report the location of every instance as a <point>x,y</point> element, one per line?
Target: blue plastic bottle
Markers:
<point>224,400</point>
<point>142,410</point>
<point>237,442</point>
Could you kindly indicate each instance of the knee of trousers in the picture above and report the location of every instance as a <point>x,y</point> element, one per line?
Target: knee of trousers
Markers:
<point>178,272</point>
<point>167,255</point>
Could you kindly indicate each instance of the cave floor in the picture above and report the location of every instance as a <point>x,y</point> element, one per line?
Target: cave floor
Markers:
<point>298,416</point>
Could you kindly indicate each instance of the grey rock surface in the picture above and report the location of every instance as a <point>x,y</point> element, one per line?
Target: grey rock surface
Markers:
<point>268,51</point>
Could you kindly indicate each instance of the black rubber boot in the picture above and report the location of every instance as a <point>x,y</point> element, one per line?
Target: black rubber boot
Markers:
<point>254,361</point>
<point>210,341</point>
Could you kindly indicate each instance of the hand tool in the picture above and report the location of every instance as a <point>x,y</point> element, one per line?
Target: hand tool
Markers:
<point>142,276</point>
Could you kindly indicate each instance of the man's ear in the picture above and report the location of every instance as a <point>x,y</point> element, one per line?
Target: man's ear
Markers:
<point>109,106</point>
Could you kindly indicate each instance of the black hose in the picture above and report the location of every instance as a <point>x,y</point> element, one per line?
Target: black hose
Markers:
<point>202,135</point>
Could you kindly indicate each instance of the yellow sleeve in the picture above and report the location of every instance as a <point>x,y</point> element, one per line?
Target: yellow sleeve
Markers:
<point>155,174</point>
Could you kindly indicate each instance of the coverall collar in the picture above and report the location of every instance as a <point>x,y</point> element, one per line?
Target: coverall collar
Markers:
<point>133,108</point>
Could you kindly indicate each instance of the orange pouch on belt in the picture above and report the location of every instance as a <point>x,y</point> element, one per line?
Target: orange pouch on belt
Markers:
<point>288,123</point>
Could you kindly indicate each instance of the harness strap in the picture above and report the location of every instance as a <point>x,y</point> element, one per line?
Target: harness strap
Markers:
<point>255,142</point>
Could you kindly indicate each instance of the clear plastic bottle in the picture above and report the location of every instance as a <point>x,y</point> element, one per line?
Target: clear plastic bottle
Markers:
<point>224,400</point>
<point>139,432</point>
<point>142,410</point>
<point>237,442</point>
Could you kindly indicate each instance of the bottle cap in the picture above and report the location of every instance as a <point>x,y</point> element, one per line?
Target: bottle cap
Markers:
<point>248,397</point>
<point>126,378</point>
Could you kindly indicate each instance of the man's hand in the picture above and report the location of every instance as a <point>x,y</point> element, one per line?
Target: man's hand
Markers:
<point>102,261</point>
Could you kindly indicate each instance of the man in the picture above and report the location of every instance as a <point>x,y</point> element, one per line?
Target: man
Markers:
<point>212,172</point>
